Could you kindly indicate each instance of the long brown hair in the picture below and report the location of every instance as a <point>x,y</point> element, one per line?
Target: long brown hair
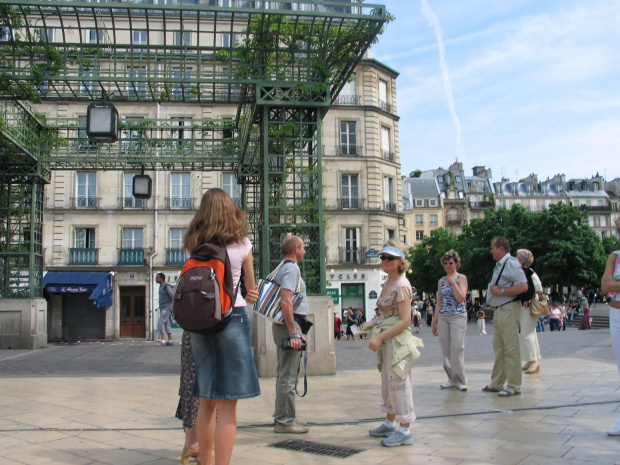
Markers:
<point>217,221</point>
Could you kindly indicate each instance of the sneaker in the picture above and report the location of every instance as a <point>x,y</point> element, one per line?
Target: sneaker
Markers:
<point>382,431</point>
<point>449,384</point>
<point>398,439</point>
<point>614,432</point>
<point>290,429</point>
<point>461,387</point>
<point>161,343</point>
<point>169,343</point>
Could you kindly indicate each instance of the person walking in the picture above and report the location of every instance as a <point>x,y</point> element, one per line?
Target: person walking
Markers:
<point>225,369</point>
<point>529,338</point>
<point>450,322</point>
<point>555,317</point>
<point>337,326</point>
<point>166,292</point>
<point>507,282</point>
<point>350,320</point>
<point>293,251</point>
<point>396,348</point>
<point>586,319</point>
<point>480,315</point>
<point>611,283</point>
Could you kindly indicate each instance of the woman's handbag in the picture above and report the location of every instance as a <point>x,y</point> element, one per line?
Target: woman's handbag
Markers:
<point>539,305</point>
<point>268,303</point>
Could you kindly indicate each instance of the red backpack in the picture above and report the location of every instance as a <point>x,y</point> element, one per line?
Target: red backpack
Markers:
<point>204,295</point>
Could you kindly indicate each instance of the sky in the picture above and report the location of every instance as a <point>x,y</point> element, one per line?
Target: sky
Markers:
<point>518,86</point>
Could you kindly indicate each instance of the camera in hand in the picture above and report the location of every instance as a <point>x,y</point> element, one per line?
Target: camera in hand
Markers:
<point>286,344</point>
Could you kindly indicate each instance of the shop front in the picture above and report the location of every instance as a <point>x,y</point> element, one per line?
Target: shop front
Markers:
<point>355,288</point>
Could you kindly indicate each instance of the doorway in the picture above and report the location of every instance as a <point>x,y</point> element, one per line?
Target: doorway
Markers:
<point>133,310</point>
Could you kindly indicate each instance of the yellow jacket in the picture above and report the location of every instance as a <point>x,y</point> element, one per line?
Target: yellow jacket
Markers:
<point>404,345</point>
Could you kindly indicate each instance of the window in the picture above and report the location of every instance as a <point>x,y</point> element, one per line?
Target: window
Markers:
<point>385,144</point>
<point>133,238</point>
<point>47,34</point>
<point>591,221</point>
<point>84,238</point>
<point>457,178</point>
<point>177,237</point>
<point>129,201</point>
<point>179,75</point>
<point>350,191</point>
<point>390,234</point>
<point>419,235</point>
<point>388,194</point>
<point>137,88</point>
<point>439,179</point>
<point>87,86</point>
<point>6,34</point>
<point>348,138</point>
<point>230,40</point>
<point>180,190</point>
<point>383,95</point>
<point>140,38</point>
<point>348,94</point>
<point>533,205</point>
<point>93,36</point>
<point>603,221</point>
<point>182,38</point>
<point>132,137</point>
<point>182,131</point>
<point>86,195</point>
<point>433,202</point>
<point>433,220</point>
<point>419,202</point>
<point>231,187</point>
<point>82,137</point>
<point>419,219</point>
<point>350,245</point>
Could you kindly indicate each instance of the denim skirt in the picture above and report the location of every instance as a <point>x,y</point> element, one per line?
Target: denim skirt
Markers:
<point>224,364</point>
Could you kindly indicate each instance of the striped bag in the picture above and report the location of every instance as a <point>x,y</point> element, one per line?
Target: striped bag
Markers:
<point>268,303</point>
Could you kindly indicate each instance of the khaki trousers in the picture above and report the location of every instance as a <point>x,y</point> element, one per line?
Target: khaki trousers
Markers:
<point>529,339</point>
<point>288,363</point>
<point>397,393</point>
<point>451,330</point>
<point>507,365</point>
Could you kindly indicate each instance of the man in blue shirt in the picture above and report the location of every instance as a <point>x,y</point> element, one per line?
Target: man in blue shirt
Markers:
<point>166,291</point>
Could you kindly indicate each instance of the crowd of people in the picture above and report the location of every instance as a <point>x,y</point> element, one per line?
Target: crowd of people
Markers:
<point>217,369</point>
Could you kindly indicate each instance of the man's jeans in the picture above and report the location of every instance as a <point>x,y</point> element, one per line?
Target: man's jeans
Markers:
<point>288,364</point>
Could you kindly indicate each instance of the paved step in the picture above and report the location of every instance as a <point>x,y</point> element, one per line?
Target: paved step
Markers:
<point>598,321</point>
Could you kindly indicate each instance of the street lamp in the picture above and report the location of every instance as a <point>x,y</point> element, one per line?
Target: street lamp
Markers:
<point>142,186</point>
<point>102,122</point>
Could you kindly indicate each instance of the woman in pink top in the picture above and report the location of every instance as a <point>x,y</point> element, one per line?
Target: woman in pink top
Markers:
<point>555,317</point>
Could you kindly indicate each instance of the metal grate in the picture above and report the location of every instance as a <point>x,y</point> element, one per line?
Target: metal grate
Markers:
<point>317,448</point>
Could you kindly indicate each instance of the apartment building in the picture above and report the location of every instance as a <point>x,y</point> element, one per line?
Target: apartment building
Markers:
<point>423,209</point>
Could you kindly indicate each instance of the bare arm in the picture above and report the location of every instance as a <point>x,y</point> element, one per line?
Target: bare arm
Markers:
<point>512,290</point>
<point>459,289</point>
<point>249,280</point>
<point>608,283</point>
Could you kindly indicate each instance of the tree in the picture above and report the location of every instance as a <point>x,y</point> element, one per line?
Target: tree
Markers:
<point>611,244</point>
<point>415,174</point>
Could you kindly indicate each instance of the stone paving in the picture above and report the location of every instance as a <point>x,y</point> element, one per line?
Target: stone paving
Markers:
<point>54,413</point>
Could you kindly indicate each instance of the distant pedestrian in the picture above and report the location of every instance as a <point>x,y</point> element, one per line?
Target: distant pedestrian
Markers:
<point>337,326</point>
<point>480,315</point>
<point>166,292</point>
<point>350,321</point>
<point>586,319</point>
<point>555,317</point>
<point>450,322</point>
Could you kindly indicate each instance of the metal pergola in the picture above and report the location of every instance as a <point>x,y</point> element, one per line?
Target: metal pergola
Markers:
<point>281,63</point>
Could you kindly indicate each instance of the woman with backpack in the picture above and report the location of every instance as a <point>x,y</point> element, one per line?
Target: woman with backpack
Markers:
<point>528,336</point>
<point>225,370</point>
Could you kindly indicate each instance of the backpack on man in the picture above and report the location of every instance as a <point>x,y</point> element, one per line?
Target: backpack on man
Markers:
<point>204,295</point>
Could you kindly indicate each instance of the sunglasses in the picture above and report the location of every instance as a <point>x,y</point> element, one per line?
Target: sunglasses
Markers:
<point>448,263</point>
<point>388,257</point>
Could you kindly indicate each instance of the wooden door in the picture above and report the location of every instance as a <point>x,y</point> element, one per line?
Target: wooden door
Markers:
<point>133,310</point>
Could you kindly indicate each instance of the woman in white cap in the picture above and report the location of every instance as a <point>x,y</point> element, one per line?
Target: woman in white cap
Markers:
<point>396,347</point>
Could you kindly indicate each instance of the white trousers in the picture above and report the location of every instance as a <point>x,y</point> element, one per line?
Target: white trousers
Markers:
<point>451,330</point>
<point>614,331</point>
<point>528,336</point>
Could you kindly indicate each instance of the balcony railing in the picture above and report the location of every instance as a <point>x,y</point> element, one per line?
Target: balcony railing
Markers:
<point>486,204</point>
<point>352,256</point>
<point>351,204</point>
<point>79,256</point>
<point>180,203</point>
<point>454,218</point>
<point>598,208</point>
<point>354,100</point>
<point>85,202</point>
<point>132,257</point>
<point>385,106</point>
<point>389,206</point>
<point>175,257</point>
<point>131,202</point>
<point>389,156</point>
<point>345,150</point>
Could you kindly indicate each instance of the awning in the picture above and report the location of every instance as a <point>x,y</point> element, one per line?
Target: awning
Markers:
<point>99,284</point>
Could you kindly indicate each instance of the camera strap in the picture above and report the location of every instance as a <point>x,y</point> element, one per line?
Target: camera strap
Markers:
<point>305,355</point>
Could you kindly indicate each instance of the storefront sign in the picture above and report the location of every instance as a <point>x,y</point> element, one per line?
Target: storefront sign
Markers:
<point>345,276</point>
<point>334,294</point>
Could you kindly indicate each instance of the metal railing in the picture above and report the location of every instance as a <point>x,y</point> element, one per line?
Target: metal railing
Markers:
<point>175,257</point>
<point>81,256</point>
<point>385,106</point>
<point>85,202</point>
<point>132,202</point>
<point>454,218</point>
<point>597,208</point>
<point>180,203</point>
<point>389,206</point>
<point>352,255</point>
<point>351,204</point>
<point>389,156</point>
<point>132,257</point>
<point>354,100</point>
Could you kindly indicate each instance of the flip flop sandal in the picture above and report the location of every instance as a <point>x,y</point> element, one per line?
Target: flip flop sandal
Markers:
<point>489,388</point>
<point>508,393</point>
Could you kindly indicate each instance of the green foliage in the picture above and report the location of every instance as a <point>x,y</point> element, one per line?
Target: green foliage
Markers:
<point>426,268</point>
<point>415,174</point>
<point>566,250</point>
<point>611,244</point>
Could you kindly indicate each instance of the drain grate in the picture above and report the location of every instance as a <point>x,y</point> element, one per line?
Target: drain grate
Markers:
<point>317,448</point>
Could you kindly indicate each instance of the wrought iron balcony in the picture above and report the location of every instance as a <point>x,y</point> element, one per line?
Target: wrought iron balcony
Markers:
<point>454,218</point>
<point>484,204</point>
<point>85,202</point>
<point>131,202</point>
<point>351,204</point>
<point>597,208</point>
<point>80,256</point>
<point>389,156</point>
<point>180,203</point>
<point>354,100</point>
<point>175,257</point>
<point>352,255</point>
<point>385,106</point>
<point>389,206</point>
<point>132,257</point>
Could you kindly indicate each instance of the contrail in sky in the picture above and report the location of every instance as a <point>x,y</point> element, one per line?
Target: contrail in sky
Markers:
<point>445,72</point>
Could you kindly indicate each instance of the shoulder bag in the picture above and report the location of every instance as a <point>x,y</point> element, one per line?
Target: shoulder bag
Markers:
<point>539,305</point>
<point>268,303</point>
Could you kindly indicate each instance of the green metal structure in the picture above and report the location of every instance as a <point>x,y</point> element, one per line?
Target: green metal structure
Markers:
<point>281,63</point>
